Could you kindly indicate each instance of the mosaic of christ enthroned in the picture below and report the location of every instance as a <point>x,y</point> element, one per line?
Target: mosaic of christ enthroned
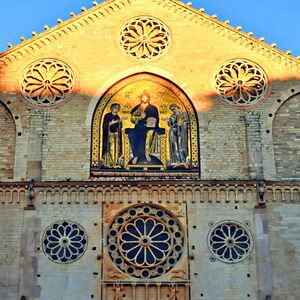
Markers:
<point>144,123</point>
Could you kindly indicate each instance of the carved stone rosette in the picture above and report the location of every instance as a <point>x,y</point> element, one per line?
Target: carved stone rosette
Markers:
<point>144,37</point>
<point>241,82</point>
<point>145,241</point>
<point>47,82</point>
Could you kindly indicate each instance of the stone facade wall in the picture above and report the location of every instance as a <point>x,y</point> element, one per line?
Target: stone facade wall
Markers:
<point>7,143</point>
<point>199,207</point>
<point>285,249</point>
<point>11,256</point>
<point>45,155</point>
<point>93,275</point>
<point>286,138</point>
<point>235,281</point>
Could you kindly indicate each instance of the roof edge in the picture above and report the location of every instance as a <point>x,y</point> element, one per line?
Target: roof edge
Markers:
<point>63,28</point>
<point>183,9</point>
<point>186,9</point>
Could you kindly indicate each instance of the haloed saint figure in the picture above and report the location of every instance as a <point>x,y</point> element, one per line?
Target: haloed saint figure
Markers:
<point>143,137</point>
<point>178,135</point>
<point>112,138</point>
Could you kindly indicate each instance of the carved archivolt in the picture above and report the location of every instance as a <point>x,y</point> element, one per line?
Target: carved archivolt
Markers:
<point>145,241</point>
<point>47,82</point>
<point>145,37</point>
<point>241,82</point>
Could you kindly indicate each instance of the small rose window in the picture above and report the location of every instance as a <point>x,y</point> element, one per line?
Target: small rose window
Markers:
<point>145,37</point>
<point>47,82</point>
<point>241,82</point>
<point>230,242</point>
<point>64,241</point>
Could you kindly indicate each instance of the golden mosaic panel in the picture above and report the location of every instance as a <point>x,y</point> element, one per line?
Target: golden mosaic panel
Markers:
<point>166,100</point>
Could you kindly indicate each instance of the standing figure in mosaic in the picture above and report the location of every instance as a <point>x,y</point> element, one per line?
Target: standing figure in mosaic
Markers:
<point>178,135</point>
<point>112,137</point>
<point>144,136</point>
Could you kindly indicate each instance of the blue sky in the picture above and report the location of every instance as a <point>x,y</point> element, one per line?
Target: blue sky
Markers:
<point>278,21</point>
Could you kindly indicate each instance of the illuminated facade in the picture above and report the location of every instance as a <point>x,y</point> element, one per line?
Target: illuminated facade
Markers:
<point>149,151</point>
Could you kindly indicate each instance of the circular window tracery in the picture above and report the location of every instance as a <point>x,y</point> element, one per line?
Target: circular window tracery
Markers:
<point>230,242</point>
<point>145,37</point>
<point>64,241</point>
<point>241,82</point>
<point>47,82</point>
<point>145,241</point>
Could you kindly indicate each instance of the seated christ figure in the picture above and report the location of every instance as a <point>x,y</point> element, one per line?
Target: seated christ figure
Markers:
<point>144,136</point>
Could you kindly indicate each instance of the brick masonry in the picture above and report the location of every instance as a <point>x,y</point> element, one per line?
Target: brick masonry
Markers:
<point>286,139</point>
<point>7,143</point>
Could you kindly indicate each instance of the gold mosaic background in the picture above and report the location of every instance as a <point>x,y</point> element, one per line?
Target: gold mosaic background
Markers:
<point>162,93</point>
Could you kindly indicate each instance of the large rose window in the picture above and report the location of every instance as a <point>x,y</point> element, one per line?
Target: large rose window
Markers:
<point>64,241</point>
<point>145,37</point>
<point>145,241</point>
<point>241,82</point>
<point>47,82</point>
<point>230,242</point>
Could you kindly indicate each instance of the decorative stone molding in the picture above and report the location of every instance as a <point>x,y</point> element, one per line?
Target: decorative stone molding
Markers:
<point>130,192</point>
<point>13,194</point>
<point>282,193</point>
<point>91,193</point>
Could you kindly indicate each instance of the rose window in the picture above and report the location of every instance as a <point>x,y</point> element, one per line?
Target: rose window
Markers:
<point>145,37</point>
<point>230,242</point>
<point>241,82</point>
<point>47,82</point>
<point>145,241</point>
<point>64,241</point>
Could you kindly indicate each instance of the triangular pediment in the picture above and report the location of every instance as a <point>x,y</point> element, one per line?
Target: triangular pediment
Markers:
<point>176,9</point>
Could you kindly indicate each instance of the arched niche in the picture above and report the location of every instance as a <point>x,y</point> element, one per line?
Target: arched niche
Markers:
<point>7,143</point>
<point>134,136</point>
<point>286,138</point>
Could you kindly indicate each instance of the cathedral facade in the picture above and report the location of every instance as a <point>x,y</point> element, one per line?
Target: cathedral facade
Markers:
<point>149,151</point>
